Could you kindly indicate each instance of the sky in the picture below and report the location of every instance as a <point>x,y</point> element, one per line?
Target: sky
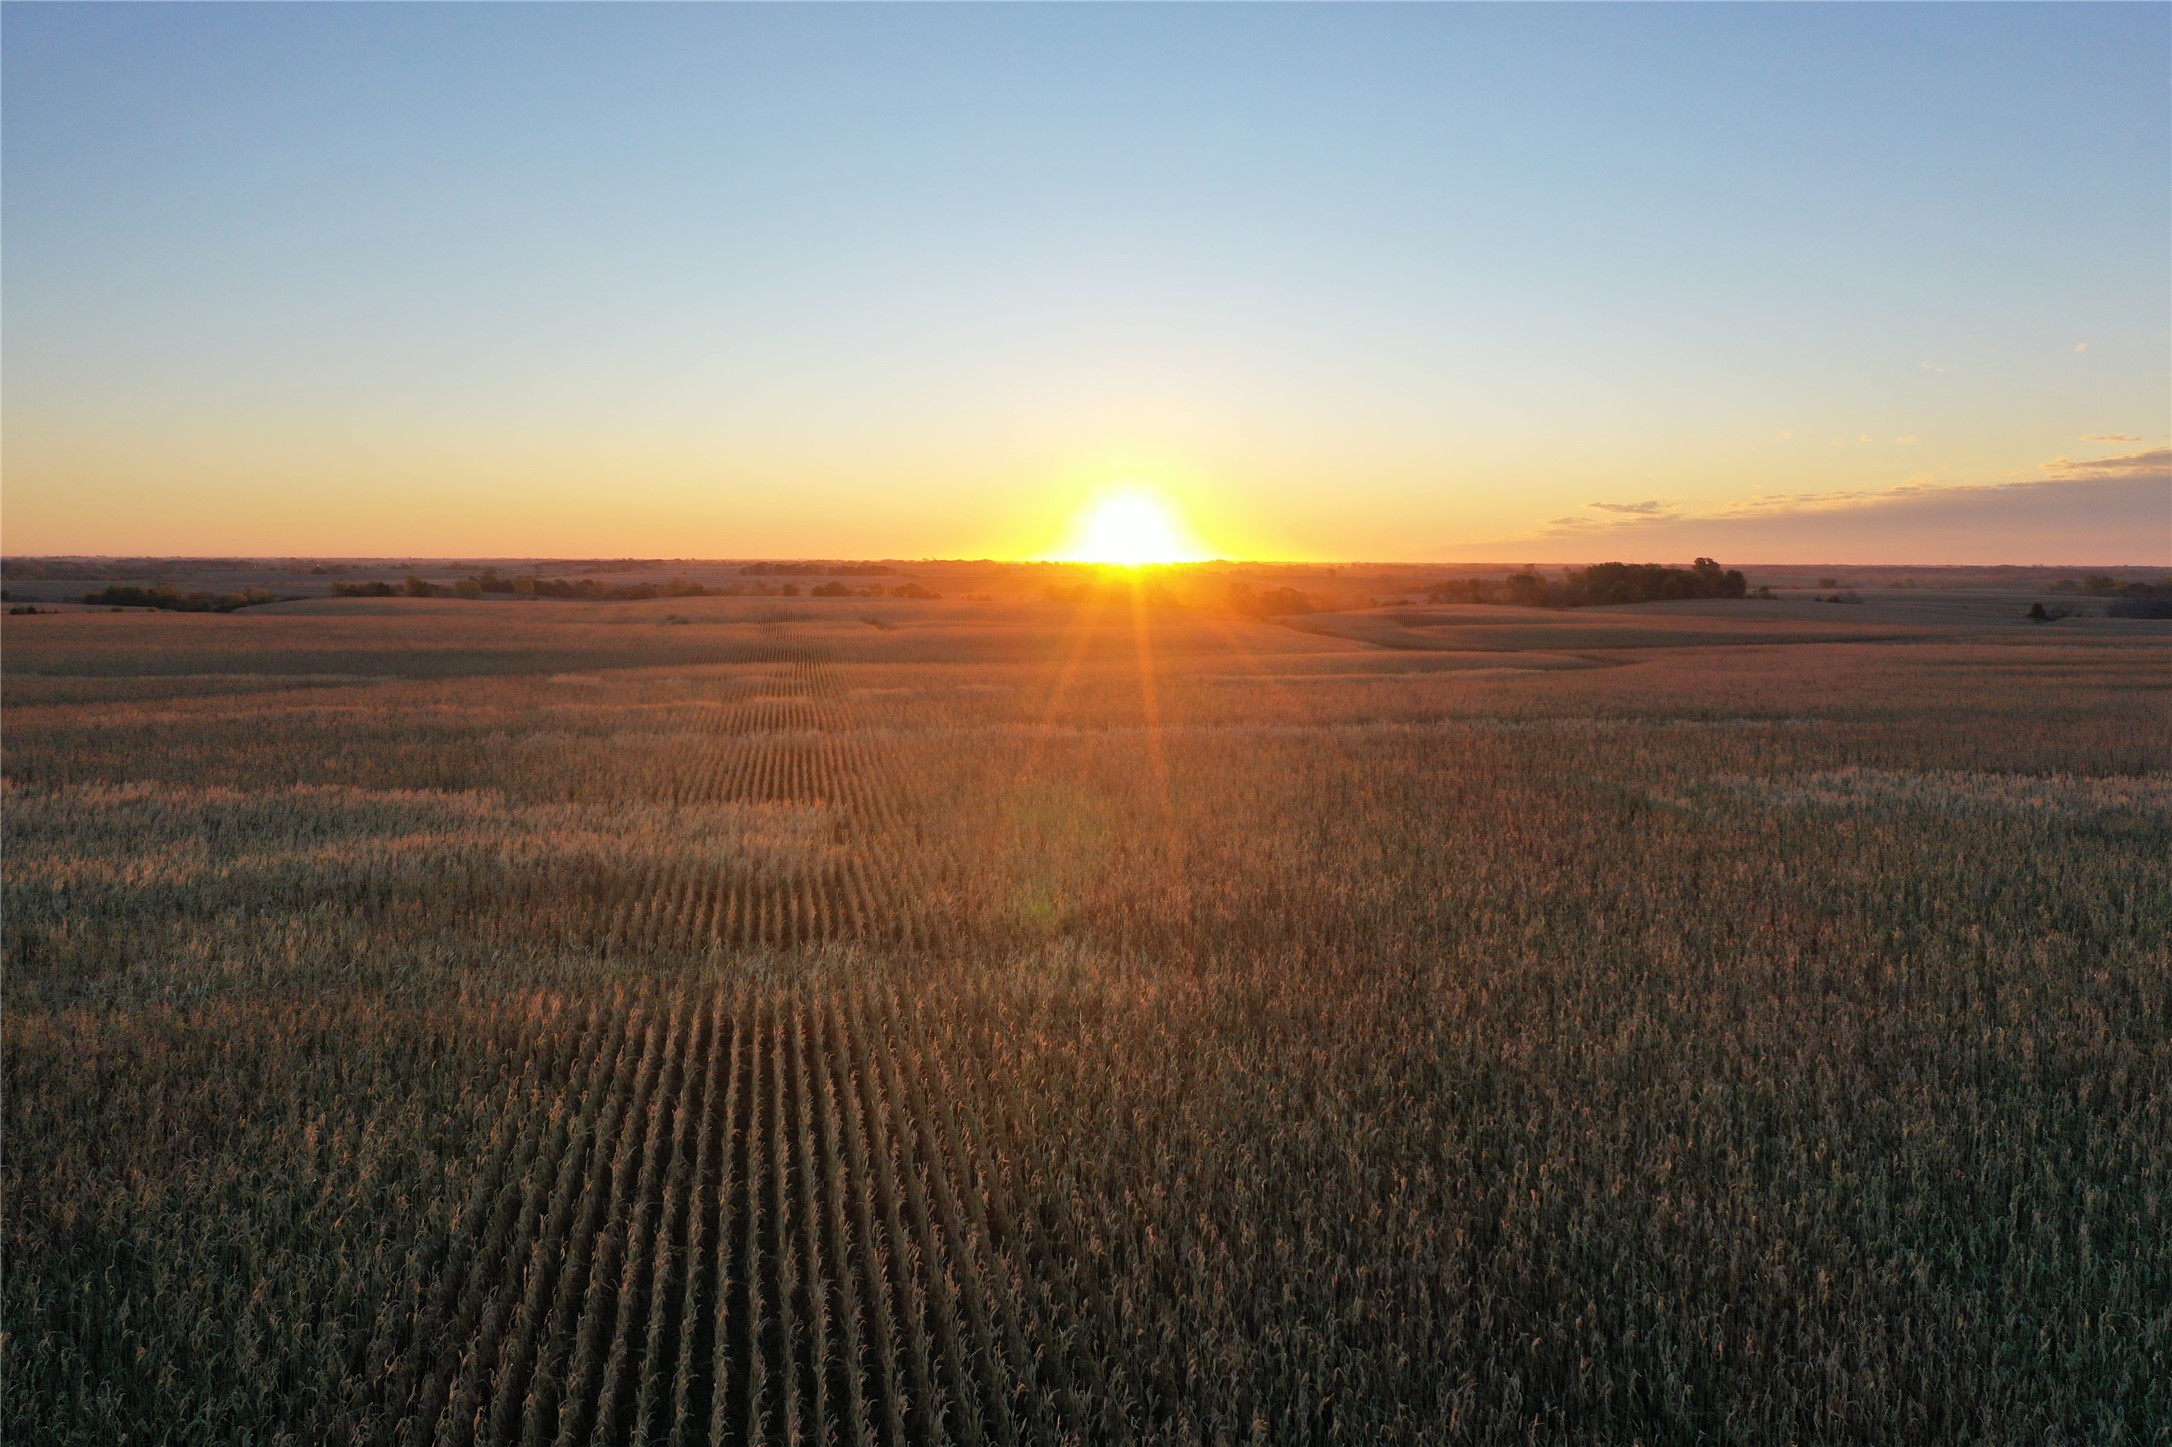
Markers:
<point>1394,283</point>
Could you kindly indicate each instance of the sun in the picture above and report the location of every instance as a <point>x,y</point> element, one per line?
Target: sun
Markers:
<point>1131,529</point>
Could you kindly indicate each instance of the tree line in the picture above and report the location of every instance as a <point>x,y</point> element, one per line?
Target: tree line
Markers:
<point>595,590</point>
<point>2128,600</point>
<point>173,600</point>
<point>1599,584</point>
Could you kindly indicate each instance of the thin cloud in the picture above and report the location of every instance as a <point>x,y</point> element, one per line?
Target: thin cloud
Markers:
<point>2075,511</point>
<point>2081,346</point>
<point>2152,466</point>
<point>2155,463</point>
<point>2110,437</point>
<point>1774,504</point>
<point>1932,367</point>
<point>1908,441</point>
<point>1619,515</point>
<point>2099,511</point>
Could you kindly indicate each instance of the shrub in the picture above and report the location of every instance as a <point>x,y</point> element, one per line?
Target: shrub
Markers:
<point>174,601</point>
<point>1274,603</point>
<point>816,570</point>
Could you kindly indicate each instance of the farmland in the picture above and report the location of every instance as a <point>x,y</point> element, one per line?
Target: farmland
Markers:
<point>758,1020</point>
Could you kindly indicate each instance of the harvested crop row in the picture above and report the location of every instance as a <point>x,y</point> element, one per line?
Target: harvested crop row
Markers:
<point>739,1220</point>
<point>811,749</point>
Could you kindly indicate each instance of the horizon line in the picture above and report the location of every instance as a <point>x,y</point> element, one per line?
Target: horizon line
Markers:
<point>482,559</point>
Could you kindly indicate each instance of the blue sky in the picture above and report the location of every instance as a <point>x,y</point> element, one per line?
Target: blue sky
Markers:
<point>1337,281</point>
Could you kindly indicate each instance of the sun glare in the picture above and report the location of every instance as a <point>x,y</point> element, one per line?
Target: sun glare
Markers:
<point>1131,529</point>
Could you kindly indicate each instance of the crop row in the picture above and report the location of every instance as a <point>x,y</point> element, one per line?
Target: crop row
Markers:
<point>796,742</point>
<point>734,1218</point>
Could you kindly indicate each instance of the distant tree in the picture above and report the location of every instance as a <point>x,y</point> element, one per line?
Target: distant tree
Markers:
<point>1273,603</point>
<point>805,570</point>
<point>175,601</point>
<point>524,587</point>
<point>2143,602</point>
<point>469,588</point>
<point>1525,589</point>
<point>419,588</point>
<point>1601,583</point>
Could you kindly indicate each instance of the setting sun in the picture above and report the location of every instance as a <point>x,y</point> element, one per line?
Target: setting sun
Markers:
<point>1131,529</point>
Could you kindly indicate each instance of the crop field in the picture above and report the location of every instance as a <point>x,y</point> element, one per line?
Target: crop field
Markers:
<point>718,1021</point>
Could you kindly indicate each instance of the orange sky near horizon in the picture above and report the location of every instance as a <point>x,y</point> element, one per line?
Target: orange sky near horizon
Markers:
<point>2120,512</point>
<point>1334,283</point>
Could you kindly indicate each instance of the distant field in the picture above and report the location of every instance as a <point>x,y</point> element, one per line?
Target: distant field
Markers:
<point>783,1020</point>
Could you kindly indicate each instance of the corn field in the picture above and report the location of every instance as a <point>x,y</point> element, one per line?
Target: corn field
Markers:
<point>1078,1025</point>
